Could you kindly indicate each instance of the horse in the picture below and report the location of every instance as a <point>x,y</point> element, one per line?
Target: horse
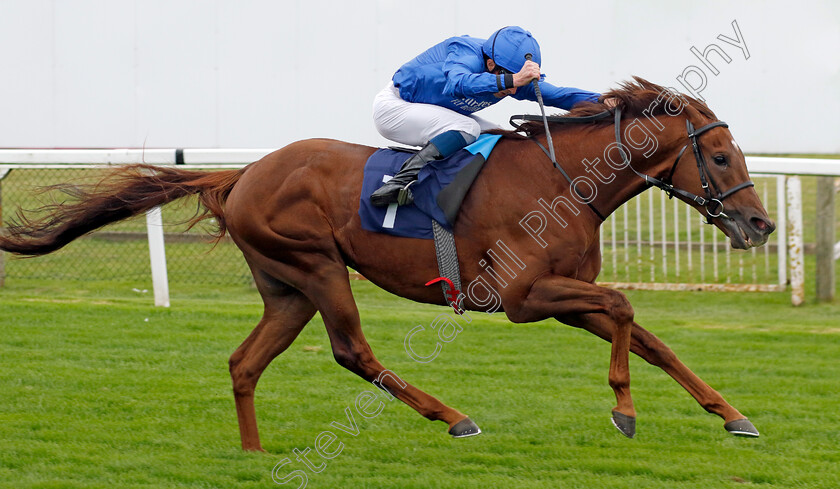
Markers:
<point>294,216</point>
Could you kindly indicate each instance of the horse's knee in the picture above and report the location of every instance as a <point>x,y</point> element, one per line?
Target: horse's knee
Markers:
<point>619,308</point>
<point>244,378</point>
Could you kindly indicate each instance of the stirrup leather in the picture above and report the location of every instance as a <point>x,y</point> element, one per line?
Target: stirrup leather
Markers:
<point>405,197</point>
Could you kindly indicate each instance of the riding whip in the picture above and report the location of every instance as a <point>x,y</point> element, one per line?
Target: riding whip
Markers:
<point>545,119</point>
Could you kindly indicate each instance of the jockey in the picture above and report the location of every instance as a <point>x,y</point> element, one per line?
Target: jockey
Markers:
<point>431,100</point>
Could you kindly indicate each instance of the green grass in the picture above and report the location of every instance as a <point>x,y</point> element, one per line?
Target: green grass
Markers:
<point>103,390</point>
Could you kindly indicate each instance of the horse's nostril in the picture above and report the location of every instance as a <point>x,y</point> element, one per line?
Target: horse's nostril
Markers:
<point>764,226</point>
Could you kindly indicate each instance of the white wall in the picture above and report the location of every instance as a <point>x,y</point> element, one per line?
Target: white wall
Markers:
<point>263,73</point>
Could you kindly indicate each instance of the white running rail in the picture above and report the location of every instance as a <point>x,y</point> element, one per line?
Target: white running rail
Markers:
<point>628,232</point>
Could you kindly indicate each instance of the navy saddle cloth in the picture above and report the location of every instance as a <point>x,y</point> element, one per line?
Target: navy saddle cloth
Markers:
<point>438,192</point>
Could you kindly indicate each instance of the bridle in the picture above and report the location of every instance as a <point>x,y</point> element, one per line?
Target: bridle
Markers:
<point>712,202</point>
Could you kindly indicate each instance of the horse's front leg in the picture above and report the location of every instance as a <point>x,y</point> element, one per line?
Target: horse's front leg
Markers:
<point>582,303</point>
<point>650,348</point>
<point>538,305</point>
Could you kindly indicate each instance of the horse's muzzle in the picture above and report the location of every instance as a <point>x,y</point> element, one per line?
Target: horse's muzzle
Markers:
<point>746,232</point>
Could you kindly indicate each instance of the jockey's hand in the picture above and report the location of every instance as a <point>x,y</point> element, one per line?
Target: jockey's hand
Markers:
<point>529,72</point>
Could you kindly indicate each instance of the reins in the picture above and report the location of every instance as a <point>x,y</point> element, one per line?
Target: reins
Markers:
<point>550,152</point>
<point>712,203</point>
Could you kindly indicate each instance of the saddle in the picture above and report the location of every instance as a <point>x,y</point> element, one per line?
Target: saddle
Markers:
<point>439,191</point>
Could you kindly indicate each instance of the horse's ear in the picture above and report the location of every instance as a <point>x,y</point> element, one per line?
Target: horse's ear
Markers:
<point>695,116</point>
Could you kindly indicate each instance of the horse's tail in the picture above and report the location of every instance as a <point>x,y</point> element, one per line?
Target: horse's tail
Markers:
<point>121,194</point>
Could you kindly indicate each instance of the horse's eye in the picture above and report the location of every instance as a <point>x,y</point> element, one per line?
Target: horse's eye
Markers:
<point>720,160</point>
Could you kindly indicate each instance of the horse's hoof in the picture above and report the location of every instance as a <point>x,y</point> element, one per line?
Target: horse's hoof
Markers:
<point>625,424</point>
<point>741,427</point>
<point>464,428</point>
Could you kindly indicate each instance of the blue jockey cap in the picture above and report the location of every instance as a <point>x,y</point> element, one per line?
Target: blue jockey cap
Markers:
<point>508,46</point>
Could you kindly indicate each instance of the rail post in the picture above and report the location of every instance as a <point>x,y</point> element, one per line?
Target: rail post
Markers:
<point>825,239</point>
<point>157,256</point>
<point>796,248</point>
<point>781,229</point>
<point>3,173</point>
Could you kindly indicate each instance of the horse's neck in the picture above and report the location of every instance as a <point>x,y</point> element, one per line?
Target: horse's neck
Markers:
<point>614,182</point>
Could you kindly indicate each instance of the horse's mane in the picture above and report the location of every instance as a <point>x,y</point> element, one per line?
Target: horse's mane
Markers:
<point>632,97</point>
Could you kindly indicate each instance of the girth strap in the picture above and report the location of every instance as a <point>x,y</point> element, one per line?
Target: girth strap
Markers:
<point>447,258</point>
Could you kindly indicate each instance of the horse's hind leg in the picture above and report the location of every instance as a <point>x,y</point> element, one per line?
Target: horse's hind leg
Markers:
<point>286,313</point>
<point>351,350</point>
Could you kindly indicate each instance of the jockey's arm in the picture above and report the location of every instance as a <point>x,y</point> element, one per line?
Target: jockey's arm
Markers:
<point>465,73</point>
<point>561,97</point>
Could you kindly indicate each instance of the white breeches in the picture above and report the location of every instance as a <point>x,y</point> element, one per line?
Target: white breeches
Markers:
<point>415,124</point>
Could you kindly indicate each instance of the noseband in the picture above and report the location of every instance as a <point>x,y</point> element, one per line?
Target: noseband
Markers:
<point>713,202</point>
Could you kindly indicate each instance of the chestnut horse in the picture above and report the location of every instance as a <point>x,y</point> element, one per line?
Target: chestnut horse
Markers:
<point>294,215</point>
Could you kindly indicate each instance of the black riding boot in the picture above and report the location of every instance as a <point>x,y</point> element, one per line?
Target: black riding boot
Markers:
<point>396,190</point>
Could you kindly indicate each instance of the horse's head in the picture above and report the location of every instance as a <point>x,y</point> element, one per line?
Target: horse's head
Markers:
<point>713,168</point>
<point>700,163</point>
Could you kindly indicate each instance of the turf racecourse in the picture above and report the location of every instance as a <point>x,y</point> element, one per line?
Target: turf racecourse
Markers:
<point>102,390</point>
